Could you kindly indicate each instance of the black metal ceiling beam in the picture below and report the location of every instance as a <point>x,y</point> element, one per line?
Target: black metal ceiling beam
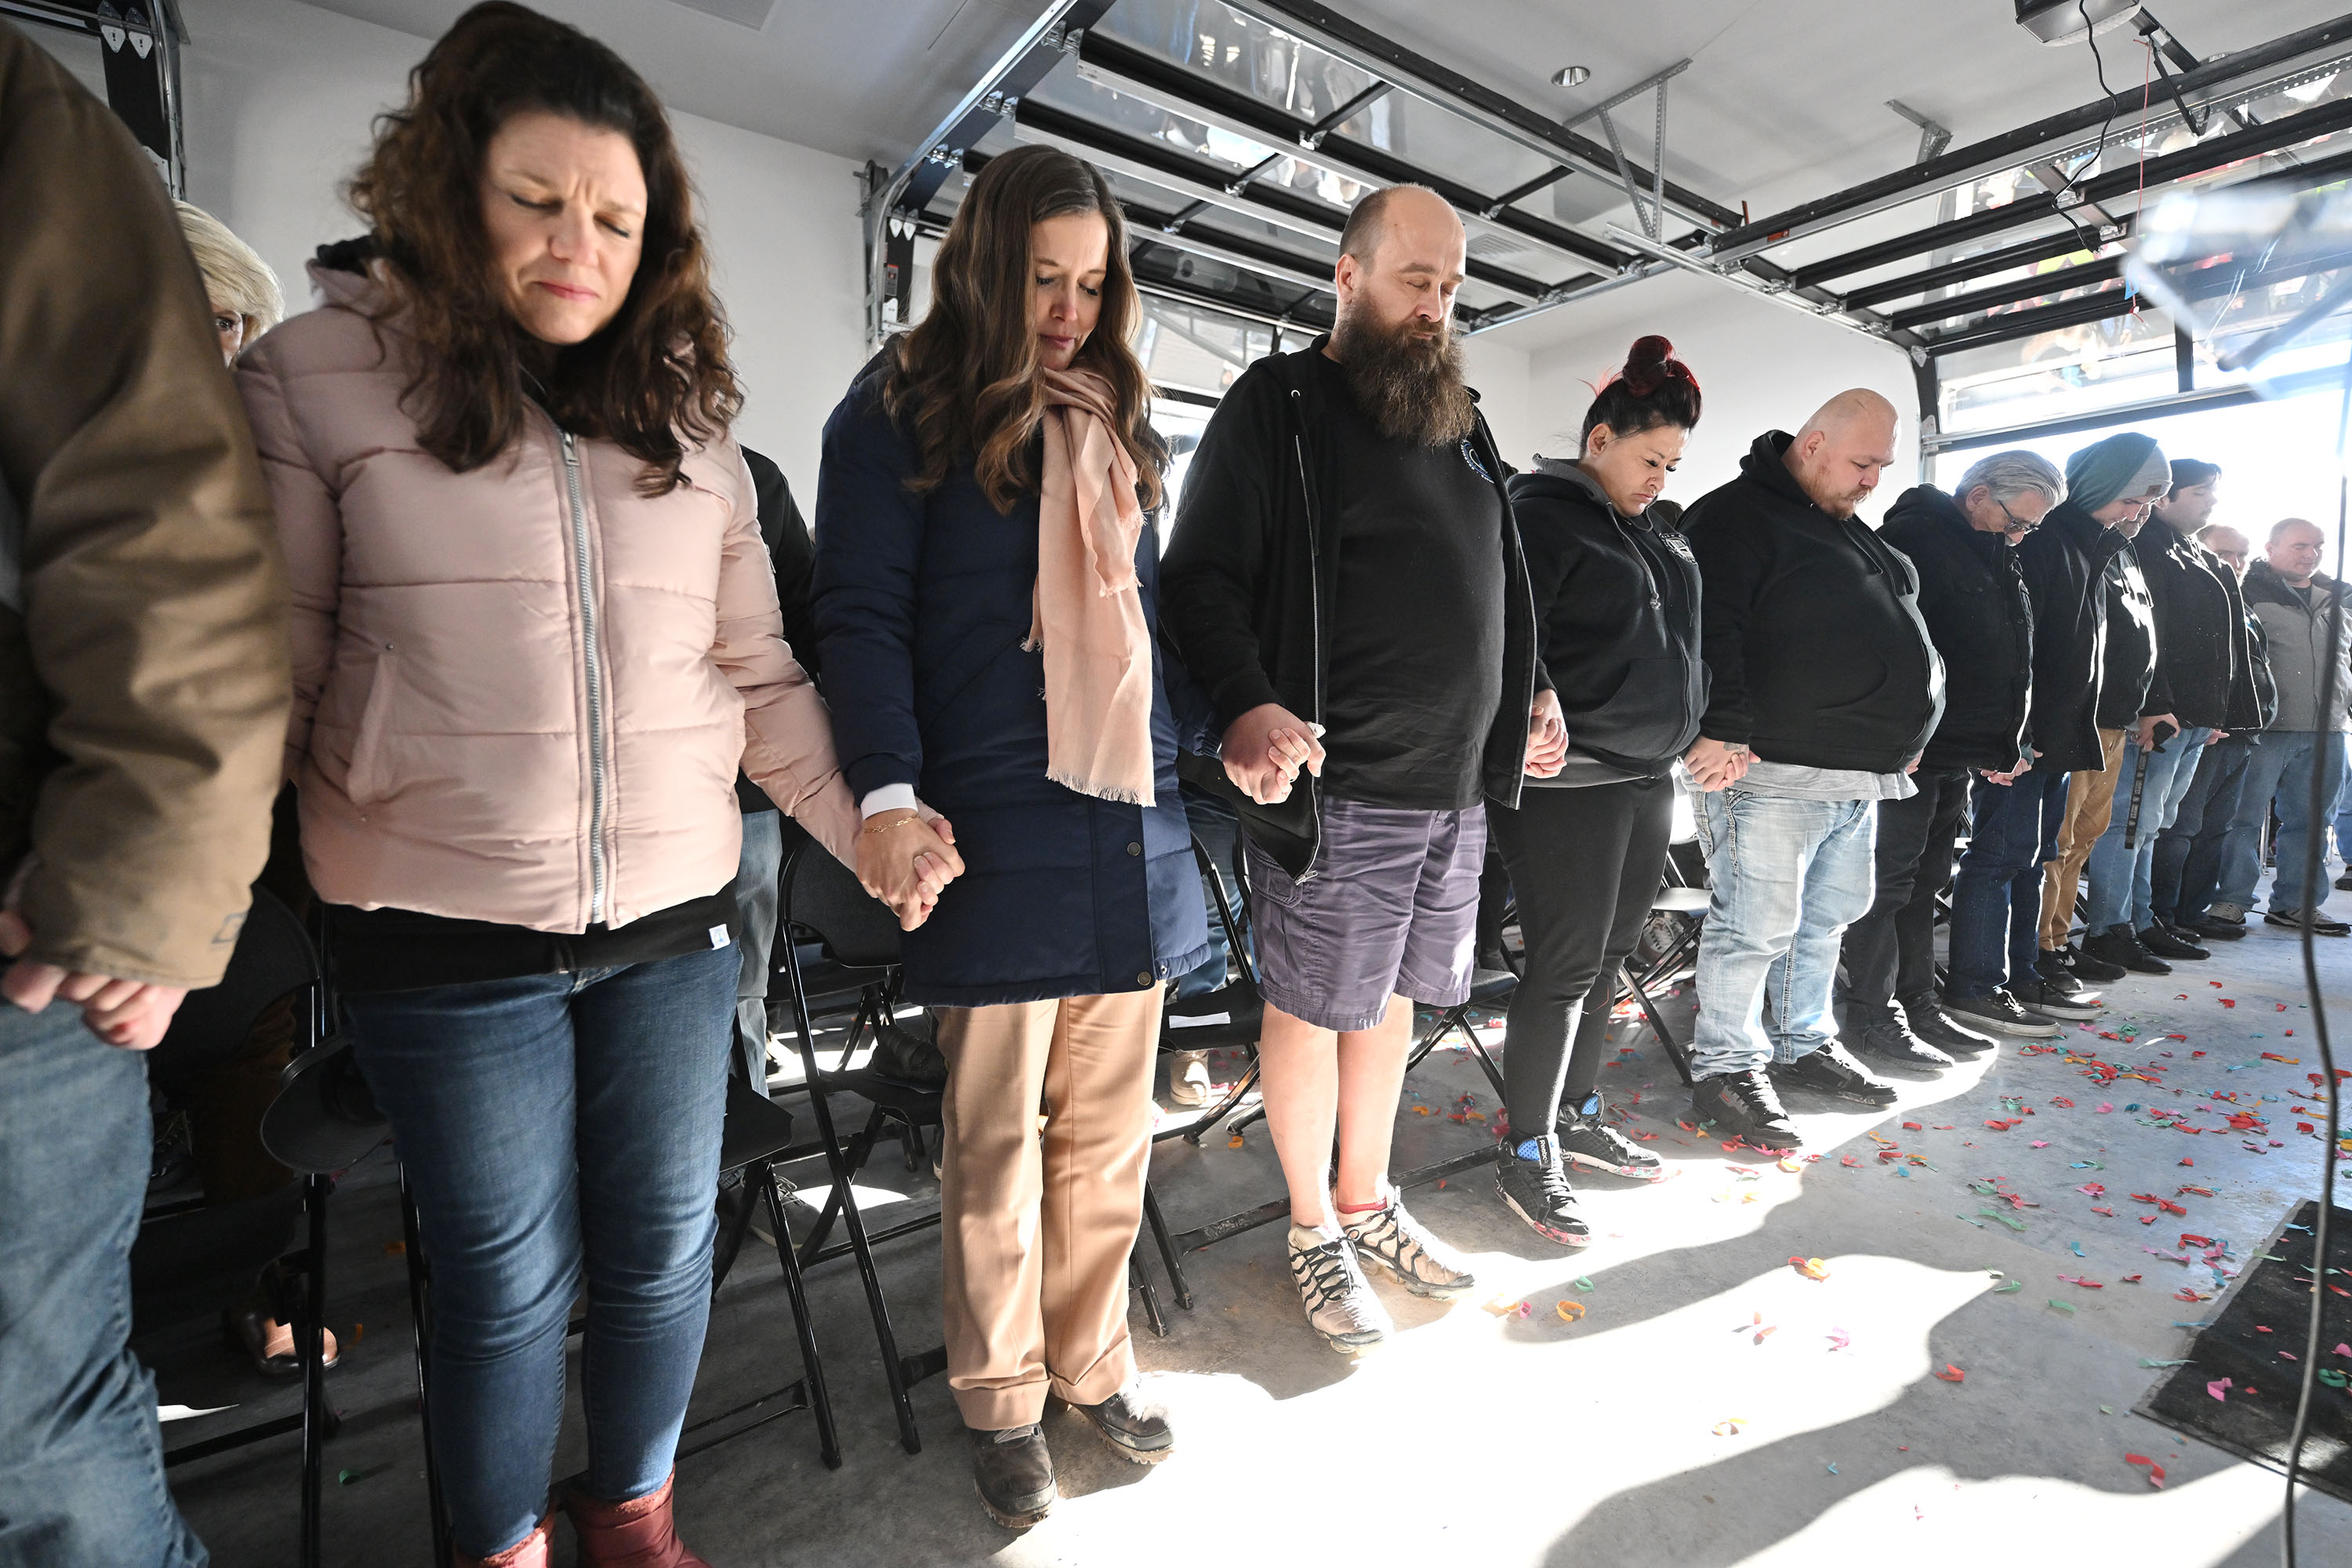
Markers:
<point>2214,283</point>
<point>1188,176</point>
<point>2015,147</point>
<point>1167,83</point>
<point>991,102</point>
<point>1323,26</point>
<point>1982,300</point>
<point>1967,268</point>
<point>2203,158</point>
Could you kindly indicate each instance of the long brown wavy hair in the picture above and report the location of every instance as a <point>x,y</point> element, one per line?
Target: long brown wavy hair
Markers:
<point>657,376</point>
<point>965,380</point>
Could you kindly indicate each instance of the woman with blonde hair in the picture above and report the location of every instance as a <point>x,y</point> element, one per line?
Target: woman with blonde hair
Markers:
<point>243,290</point>
<point>535,633</point>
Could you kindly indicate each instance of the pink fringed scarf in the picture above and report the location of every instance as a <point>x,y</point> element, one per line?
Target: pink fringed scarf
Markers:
<point>1087,613</point>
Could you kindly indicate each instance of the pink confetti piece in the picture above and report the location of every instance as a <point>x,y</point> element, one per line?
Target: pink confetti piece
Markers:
<point>1839,1339</point>
<point>2040,1143</point>
<point>2105,1108</point>
<point>2219,1388</point>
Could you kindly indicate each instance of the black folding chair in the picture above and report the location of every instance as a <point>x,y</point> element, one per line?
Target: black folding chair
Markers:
<point>210,1256</point>
<point>823,902</point>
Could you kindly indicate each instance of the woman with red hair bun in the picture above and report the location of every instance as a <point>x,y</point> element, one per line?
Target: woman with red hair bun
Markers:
<point>1617,598</point>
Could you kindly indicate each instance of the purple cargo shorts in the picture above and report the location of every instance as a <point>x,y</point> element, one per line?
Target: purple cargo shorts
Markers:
<point>1393,910</point>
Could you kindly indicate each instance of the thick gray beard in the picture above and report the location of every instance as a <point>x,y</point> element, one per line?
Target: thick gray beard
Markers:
<point>1410,391</point>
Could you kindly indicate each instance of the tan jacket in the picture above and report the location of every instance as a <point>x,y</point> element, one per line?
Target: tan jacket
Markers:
<point>521,694</point>
<point>143,613</point>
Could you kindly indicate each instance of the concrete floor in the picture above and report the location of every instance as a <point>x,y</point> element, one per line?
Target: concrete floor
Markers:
<point>1498,1439</point>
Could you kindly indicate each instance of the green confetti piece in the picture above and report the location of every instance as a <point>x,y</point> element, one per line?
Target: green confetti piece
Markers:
<point>1582,1283</point>
<point>2106,1410</point>
<point>2012,1223</point>
<point>1983,1189</point>
<point>2011,1288</point>
<point>2063,1306</point>
<point>2333,1379</point>
<point>2146,1362</point>
<point>1978,1222</point>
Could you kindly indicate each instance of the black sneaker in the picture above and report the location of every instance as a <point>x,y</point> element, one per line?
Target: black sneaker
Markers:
<point>1015,1474</point>
<point>1928,1021</point>
<point>2120,946</point>
<point>1135,1426</point>
<point>1830,1070</point>
<point>1890,1039</point>
<point>2167,943</point>
<point>1537,1191</point>
<point>2053,999</point>
<point>2293,919</point>
<point>2208,929</point>
<point>1745,1106</point>
<point>2001,1011</point>
<point>2344,883</point>
<point>2087,967</point>
<point>1587,1138</point>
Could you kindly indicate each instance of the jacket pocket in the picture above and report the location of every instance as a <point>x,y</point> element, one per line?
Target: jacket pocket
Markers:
<point>1648,716</point>
<point>367,780</point>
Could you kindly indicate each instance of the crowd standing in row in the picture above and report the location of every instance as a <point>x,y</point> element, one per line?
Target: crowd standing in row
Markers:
<point>468,555</point>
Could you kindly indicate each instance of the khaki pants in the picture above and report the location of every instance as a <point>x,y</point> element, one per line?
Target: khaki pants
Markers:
<point>1037,1227</point>
<point>2090,801</point>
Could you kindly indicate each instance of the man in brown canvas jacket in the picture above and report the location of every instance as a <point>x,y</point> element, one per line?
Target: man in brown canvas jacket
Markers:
<point>143,689</point>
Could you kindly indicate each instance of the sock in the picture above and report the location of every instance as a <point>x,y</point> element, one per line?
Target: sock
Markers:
<point>1361,1208</point>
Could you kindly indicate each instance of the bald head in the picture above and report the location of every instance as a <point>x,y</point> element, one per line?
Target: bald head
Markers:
<point>2294,549</point>
<point>2228,544</point>
<point>1401,259</point>
<point>1838,453</point>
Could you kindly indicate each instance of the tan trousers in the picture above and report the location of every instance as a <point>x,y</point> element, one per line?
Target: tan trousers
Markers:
<point>2090,800</point>
<point>1037,1227</point>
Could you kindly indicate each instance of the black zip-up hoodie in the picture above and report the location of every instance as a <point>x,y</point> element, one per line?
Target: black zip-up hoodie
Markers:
<point>2126,686</point>
<point>1248,578</point>
<point>2202,656</point>
<point>1811,627</point>
<point>1618,603</point>
<point>2065,561</point>
<point>1972,596</point>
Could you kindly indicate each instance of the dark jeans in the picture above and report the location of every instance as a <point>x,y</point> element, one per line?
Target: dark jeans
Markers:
<point>1997,897</point>
<point>548,1123</point>
<point>1586,863</point>
<point>81,1458</point>
<point>1890,951</point>
<point>1219,829</point>
<point>2187,875</point>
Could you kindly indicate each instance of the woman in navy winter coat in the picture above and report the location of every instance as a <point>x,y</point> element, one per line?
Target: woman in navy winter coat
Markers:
<point>1047,958</point>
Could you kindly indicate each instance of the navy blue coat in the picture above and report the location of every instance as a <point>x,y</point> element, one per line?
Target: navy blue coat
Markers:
<point>922,605</point>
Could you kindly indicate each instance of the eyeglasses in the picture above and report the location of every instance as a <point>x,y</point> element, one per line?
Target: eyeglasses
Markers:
<point>2015,521</point>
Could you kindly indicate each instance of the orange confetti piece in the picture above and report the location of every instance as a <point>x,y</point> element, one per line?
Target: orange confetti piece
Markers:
<point>1952,1373</point>
<point>1811,1267</point>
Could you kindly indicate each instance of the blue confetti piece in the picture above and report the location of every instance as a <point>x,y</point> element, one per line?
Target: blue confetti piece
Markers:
<point>2078,1248</point>
<point>1834,1469</point>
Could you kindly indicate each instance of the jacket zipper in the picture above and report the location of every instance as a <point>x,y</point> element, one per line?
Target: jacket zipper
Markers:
<point>1313,613</point>
<point>595,673</point>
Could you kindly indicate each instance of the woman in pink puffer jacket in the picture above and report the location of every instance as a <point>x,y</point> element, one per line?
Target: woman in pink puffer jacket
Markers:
<point>535,635</point>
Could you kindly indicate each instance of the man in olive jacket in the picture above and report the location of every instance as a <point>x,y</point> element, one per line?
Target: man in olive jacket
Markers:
<point>143,693</point>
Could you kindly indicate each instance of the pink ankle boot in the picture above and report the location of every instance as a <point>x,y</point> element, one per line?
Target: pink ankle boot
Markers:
<point>530,1551</point>
<point>633,1534</point>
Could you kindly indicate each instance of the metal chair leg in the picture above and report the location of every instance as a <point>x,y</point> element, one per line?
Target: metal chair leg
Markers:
<point>312,1351</point>
<point>1233,1097</point>
<point>893,1368</point>
<point>1140,1281</point>
<point>420,1308</point>
<point>828,1437</point>
<point>861,1147</point>
<point>1674,1048</point>
<point>1168,1257</point>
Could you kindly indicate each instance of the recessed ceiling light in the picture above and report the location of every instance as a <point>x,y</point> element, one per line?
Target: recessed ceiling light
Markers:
<point>1571,76</point>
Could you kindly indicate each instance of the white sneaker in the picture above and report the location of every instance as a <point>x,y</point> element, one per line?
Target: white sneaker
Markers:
<point>1188,1077</point>
<point>1339,1302</point>
<point>1395,1240</point>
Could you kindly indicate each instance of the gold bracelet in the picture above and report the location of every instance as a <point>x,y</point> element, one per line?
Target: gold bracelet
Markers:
<point>870,831</point>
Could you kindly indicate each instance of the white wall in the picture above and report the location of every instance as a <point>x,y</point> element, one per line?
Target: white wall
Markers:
<point>280,99</point>
<point>1760,366</point>
<point>1499,372</point>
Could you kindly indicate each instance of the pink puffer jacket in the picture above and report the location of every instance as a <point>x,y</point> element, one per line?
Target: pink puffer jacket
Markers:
<point>521,694</point>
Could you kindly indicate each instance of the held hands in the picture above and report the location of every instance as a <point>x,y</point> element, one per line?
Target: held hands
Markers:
<point>1546,737</point>
<point>1266,747</point>
<point>2024,765</point>
<point>905,859</point>
<point>131,1013</point>
<point>1714,765</point>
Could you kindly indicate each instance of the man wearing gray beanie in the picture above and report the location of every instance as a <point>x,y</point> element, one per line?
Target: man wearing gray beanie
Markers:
<point>2000,976</point>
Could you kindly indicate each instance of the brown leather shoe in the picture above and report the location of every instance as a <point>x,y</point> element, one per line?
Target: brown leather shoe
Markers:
<point>633,1534</point>
<point>531,1552</point>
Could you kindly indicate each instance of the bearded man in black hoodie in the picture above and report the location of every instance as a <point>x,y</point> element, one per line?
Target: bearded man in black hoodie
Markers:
<point>1820,668</point>
<point>1964,546</point>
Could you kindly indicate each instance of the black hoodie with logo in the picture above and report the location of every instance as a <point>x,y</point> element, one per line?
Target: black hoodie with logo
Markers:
<point>1811,627</point>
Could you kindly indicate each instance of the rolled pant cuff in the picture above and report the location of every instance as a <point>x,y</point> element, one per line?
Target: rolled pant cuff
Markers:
<point>1002,1409</point>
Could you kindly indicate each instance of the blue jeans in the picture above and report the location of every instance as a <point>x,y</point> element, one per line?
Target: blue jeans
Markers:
<point>1787,876</point>
<point>541,1120</point>
<point>2120,894</point>
<point>81,1457</point>
<point>1218,827</point>
<point>757,889</point>
<point>2344,809</point>
<point>2280,765</point>
<point>2188,865</point>
<point>1997,897</point>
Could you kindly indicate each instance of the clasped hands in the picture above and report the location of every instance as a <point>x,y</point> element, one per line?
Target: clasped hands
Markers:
<point>905,859</point>
<point>1265,749</point>
<point>131,1013</point>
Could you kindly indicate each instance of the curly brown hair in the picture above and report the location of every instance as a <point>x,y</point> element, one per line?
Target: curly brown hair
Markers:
<point>966,379</point>
<point>657,376</point>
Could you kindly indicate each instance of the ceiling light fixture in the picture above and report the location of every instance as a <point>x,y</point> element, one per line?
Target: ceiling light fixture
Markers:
<point>1571,76</point>
<point>2062,21</point>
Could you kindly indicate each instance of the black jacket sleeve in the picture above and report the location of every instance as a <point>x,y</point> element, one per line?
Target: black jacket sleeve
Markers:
<point>2163,578</point>
<point>1224,530</point>
<point>1732,563</point>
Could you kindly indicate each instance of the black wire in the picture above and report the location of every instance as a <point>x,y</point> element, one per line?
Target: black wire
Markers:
<point>2090,36</point>
<point>2312,873</point>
